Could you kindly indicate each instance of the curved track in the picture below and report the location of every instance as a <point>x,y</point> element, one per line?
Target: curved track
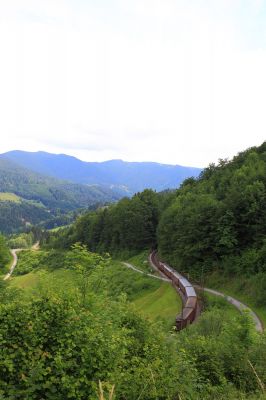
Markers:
<point>236,303</point>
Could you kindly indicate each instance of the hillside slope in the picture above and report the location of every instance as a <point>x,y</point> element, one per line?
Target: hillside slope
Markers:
<point>29,198</point>
<point>132,176</point>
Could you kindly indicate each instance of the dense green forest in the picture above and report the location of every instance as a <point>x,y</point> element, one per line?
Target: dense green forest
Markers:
<point>27,198</point>
<point>214,223</point>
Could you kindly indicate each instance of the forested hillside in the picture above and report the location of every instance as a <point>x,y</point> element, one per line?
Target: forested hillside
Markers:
<point>220,219</point>
<point>39,198</point>
<point>214,223</point>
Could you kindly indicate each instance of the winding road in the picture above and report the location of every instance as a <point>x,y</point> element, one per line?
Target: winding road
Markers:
<point>15,259</point>
<point>236,303</point>
<point>14,263</point>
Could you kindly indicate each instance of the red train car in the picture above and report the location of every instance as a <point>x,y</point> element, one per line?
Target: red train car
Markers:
<point>189,296</point>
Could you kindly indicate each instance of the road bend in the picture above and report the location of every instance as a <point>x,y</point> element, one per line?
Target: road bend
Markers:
<point>14,252</point>
<point>240,306</point>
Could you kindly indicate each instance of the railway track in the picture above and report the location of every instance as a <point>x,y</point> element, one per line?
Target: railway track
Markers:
<point>241,307</point>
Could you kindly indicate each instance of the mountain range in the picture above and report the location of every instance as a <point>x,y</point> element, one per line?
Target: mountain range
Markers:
<point>29,198</point>
<point>47,189</point>
<point>130,177</point>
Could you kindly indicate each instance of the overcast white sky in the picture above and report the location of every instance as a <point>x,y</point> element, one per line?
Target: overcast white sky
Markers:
<point>173,81</point>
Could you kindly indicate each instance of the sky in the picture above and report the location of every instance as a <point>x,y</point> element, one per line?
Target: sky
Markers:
<point>172,81</point>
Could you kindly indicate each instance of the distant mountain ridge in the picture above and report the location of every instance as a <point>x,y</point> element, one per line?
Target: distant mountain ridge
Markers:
<point>28,197</point>
<point>128,176</point>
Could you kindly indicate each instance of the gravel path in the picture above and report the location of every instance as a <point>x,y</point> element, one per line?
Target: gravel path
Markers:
<point>14,263</point>
<point>14,252</point>
<point>144,273</point>
<point>240,306</point>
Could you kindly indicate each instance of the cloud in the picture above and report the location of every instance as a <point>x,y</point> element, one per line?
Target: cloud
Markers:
<point>141,80</point>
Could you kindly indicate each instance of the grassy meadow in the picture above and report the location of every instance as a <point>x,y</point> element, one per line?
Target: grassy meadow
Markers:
<point>4,196</point>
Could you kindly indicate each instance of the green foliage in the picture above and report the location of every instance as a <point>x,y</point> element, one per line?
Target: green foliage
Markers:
<point>84,262</point>
<point>55,349</point>
<point>124,228</point>
<point>21,241</point>
<point>218,222</point>
<point>55,346</point>
<point>28,261</point>
<point>4,252</point>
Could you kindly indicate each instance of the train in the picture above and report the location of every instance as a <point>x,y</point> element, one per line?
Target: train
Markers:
<point>187,292</point>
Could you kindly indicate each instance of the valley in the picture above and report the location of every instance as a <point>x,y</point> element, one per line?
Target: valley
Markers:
<point>86,306</point>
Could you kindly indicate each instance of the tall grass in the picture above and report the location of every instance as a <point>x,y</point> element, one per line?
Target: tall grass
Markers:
<point>101,395</point>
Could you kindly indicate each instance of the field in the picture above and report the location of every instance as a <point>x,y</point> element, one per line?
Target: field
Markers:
<point>161,304</point>
<point>38,282</point>
<point>9,197</point>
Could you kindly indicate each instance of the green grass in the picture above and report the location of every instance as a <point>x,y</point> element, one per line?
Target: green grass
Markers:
<point>9,197</point>
<point>27,282</point>
<point>39,281</point>
<point>161,304</point>
<point>141,262</point>
<point>232,287</point>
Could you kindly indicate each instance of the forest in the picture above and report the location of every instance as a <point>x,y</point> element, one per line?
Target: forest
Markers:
<point>216,223</point>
